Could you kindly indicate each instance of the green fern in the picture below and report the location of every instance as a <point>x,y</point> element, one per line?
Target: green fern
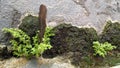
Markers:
<point>23,47</point>
<point>22,44</point>
<point>40,48</point>
<point>101,49</point>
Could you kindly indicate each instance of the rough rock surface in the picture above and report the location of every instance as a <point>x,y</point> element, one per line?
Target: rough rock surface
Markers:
<point>57,62</point>
<point>92,13</point>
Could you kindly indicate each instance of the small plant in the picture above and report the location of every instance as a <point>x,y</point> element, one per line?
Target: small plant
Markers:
<point>101,49</point>
<point>22,46</point>
<point>40,48</point>
<point>21,43</point>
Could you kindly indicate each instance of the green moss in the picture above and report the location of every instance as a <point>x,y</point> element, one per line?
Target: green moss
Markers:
<point>111,34</point>
<point>81,39</point>
<point>30,25</point>
<point>69,38</point>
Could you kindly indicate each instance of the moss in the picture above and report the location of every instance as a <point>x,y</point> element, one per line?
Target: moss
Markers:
<point>111,34</point>
<point>69,38</point>
<point>58,41</point>
<point>81,39</point>
<point>30,25</point>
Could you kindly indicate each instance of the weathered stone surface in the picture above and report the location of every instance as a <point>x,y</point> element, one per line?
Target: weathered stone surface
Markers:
<point>90,13</point>
<point>57,62</point>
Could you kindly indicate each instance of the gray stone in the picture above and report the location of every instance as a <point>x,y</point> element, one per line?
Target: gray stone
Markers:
<point>24,63</point>
<point>80,13</point>
<point>32,64</point>
<point>48,63</point>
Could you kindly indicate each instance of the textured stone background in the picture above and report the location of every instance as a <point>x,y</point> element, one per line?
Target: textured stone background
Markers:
<point>90,13</point>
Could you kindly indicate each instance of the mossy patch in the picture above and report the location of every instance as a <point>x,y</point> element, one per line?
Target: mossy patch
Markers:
<point>30,25</point>
<point>111,34</point>
<point>69,38</point>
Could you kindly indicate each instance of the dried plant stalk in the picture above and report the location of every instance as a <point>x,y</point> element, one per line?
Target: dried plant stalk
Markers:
<point>42,20</point>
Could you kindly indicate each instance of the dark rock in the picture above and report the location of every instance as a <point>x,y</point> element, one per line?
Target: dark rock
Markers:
<point>5,52</point>
<point>111,34</point>
<point>5,40</point>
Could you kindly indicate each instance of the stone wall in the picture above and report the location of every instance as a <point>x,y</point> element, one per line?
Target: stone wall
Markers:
<point>80,13</point>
